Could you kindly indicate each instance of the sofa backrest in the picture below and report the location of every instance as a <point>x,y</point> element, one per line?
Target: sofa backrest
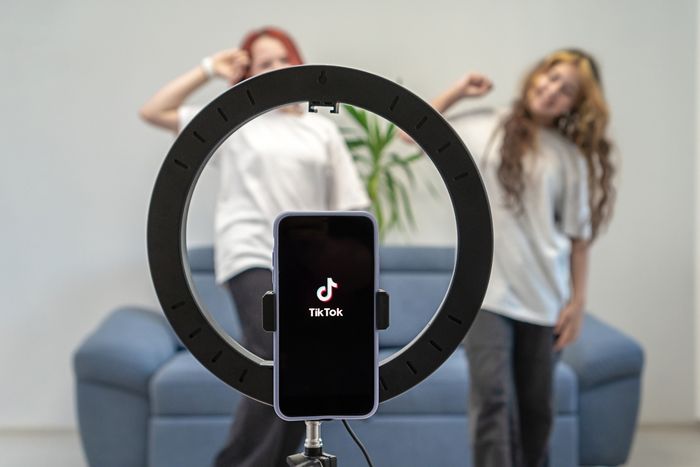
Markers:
<point>416,279</point>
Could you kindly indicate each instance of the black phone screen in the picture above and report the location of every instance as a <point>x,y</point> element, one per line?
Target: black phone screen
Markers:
<point>326,341</point>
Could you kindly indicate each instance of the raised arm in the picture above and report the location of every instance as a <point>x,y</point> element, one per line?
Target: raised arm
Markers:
<point>471,85</point>
<point>161,109</point>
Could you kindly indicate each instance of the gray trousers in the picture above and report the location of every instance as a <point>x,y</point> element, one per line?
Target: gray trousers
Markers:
<point>511,391</point>
<point>258,438</point>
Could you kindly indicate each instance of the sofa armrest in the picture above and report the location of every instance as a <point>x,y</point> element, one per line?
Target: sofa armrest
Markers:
<point>609,367</point>
<point>603,354</point>
<point>126,349</point>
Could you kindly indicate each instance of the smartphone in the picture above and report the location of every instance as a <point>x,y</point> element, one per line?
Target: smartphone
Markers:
<point>325,274</point>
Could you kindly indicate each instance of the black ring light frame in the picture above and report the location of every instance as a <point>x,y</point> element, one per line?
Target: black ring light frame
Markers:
<point>319,85</point>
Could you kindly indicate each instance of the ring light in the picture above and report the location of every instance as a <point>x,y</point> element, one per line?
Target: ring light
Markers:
<point>320,86</point>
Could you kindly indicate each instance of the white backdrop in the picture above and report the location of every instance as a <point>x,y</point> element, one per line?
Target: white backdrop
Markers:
<point>79,165</point>
<point>697,217</point>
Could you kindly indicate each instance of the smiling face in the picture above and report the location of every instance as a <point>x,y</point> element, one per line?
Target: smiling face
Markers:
<point>268,54</point>
<point>553,92</point>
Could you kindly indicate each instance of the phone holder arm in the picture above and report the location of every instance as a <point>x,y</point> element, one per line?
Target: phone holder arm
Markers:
<point>382,306</point>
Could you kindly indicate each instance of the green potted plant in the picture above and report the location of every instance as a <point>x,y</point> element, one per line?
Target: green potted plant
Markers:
<point>386,173</point>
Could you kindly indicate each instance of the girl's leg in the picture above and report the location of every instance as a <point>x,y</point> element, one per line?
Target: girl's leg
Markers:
<point>533,363</point>
<point>258,437</point>
<point>489,346</point>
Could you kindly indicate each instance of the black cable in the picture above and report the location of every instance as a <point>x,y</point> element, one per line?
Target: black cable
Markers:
<point>358,442</point>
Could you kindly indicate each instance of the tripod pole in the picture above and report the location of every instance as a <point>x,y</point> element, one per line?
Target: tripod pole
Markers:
<point>313,444</point>
<point>313,455</point>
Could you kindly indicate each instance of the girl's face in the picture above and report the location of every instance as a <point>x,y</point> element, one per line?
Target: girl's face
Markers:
<point>553,92</point>
<point>268,54</point>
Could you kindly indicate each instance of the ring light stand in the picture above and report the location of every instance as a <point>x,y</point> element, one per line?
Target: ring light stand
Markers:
<point>320,86</point>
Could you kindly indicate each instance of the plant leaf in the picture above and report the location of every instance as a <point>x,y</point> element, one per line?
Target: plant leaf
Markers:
<point>386,136</point>
<point>432,189</point>
<point>359,115</point>
<point>378,212</point>
<point>390,133</point>
<point>407,206</point>
<point>361,158</point>
<point>353,143</point>
<point>413,157</point>
<point>375,137</point>
<point>391,183</point>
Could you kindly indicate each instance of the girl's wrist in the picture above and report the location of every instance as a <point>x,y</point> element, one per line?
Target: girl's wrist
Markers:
<point>577,303</point>
<point>457,91</point>
<point>450,97</point>
<point>207,65</point>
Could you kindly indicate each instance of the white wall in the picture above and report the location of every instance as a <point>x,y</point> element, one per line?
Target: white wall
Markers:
<point>79,166</point>
<point>696,210</point>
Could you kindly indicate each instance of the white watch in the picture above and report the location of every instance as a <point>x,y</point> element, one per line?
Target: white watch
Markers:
<point>207,65</point>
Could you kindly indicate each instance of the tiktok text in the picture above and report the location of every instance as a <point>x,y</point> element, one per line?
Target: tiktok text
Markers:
<point>321,312</point>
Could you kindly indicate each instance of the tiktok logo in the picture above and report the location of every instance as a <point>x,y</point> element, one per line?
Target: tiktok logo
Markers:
<point>325,292</point>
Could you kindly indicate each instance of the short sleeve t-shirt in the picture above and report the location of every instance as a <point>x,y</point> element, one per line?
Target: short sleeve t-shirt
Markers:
<point>531,277</point>
<point>277,162</point>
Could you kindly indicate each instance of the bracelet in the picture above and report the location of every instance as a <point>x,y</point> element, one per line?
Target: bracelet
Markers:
<point>207,65</point>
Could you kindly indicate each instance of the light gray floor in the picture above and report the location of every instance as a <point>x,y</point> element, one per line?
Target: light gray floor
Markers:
<point>40,449</point>
<point>654,447</point>
<point>666,447</point>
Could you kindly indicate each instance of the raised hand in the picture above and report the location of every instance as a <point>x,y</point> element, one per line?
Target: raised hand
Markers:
<point>475,85</point>
<point>231,64</point>
<point>471,85</point>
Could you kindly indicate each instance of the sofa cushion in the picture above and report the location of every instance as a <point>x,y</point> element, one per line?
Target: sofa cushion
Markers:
<point>126,349</point>
<point>416,280</point>
<point>414,297</point>
<point>216,300</point>
<point>445,391</point>
<point>184,387</point>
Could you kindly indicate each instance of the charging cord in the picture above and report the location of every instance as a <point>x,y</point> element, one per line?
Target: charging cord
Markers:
<point>358,442</point>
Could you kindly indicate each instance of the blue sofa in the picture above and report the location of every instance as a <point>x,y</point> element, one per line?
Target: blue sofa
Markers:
<point>145,401</point>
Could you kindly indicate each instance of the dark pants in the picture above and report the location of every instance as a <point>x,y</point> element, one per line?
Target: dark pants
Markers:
<point>511,391</point>
<point>258,438</point>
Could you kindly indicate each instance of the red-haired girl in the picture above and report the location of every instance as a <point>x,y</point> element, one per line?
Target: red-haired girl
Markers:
<point>284,160</point>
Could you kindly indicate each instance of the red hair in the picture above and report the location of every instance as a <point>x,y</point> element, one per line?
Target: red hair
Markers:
<point>293,54</point>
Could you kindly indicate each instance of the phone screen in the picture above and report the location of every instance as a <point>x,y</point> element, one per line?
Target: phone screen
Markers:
<point>326,361</point>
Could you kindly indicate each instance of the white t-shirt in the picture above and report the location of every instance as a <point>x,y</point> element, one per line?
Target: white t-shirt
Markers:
<point>277,162</point>
<point>531,276</point>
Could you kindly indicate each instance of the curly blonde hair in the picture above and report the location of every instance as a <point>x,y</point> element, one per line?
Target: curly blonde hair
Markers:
<point>584,125</point>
